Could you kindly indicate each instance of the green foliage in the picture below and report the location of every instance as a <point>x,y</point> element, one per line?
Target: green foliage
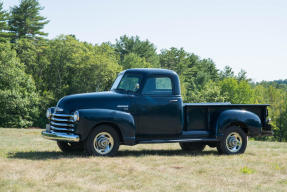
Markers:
<point>237,92</point>
<point>78,67</point>
<point>204,71</point>
<point>132,60</point>
<point>280,84</point>
<point>25,20</point>
<point>227,72</point>
<point>174,59</point>
<point>143,49</point>
<point>277,98</point>
<point>194,73</point>
<point>64,66</point>
<point>210,92</point>
<point>4,16</point>
<point>242,76</point>
<point>281,122</point>
<point>31,53</point>
<point>18,97</point>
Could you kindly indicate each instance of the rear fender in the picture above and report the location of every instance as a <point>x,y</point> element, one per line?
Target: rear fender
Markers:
<point>248,121</point>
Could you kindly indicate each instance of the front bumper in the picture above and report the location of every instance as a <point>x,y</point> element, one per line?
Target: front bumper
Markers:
<point>60,136</point>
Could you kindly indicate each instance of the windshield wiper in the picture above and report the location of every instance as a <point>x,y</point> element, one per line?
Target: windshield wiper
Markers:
<point>120,89</point>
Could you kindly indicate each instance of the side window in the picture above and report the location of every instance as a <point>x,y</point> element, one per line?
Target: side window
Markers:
<point>158,86</point>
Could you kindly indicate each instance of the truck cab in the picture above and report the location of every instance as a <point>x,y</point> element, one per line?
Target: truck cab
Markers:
<point>155,104</point>
<point>145,106</point>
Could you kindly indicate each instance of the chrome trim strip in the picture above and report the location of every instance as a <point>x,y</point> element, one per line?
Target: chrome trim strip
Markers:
<point>63,120</point>
<point>59,109</point>
<point>176,140</point>
<point>60,136</point>
<point>61,115</point>
<point>61,129</point>
<point>123,106</point>
<point>62,124</point>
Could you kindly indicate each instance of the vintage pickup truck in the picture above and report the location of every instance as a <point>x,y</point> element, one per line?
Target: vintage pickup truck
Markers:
<point>145,106</point>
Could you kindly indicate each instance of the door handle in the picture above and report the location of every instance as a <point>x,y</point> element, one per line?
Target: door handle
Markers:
<point>173,100</point>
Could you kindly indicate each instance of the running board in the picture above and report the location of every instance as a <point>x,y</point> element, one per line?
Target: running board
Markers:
<point>177,140</point>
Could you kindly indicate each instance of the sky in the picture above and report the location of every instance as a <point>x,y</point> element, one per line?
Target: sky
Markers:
<point>246,34</point>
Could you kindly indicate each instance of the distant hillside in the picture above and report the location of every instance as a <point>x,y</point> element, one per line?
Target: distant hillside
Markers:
<point>280,81</point>
<point>282,84</point>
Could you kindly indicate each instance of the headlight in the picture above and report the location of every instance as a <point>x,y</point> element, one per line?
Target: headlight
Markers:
<point>48,113</point>
<point>76,116</point>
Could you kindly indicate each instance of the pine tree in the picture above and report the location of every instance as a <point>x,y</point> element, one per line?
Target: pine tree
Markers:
<point>25,20</point>
<point>4,34</point>
<point>144,49</point>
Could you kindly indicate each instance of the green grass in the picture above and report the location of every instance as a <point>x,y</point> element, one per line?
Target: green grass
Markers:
<point>30,163</point>
<point>247,170</point>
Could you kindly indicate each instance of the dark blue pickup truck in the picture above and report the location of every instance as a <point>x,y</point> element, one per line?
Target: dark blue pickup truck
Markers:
<point>145,106</point>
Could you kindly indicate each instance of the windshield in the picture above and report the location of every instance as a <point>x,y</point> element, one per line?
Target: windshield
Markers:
<point>117,81</point>
<point>127,83</point>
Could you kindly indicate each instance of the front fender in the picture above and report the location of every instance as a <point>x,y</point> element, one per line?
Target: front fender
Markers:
<point>249,120</point>
<point>90,118</point>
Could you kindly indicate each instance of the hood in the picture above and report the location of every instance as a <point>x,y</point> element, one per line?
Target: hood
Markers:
<point>100,100</point>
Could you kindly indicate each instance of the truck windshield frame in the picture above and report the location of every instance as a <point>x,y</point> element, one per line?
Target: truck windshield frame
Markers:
<point>117,81</point>
<point>128,83</point>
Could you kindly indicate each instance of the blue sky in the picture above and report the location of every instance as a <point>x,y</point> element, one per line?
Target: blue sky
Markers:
<point>249,35</point>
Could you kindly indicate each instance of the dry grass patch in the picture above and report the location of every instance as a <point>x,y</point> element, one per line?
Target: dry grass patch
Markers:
<point>31,163</point>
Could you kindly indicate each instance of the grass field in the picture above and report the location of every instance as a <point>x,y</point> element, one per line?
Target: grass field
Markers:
<point>31,163</point>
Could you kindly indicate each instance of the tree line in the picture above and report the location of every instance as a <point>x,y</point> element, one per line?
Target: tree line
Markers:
<point>35,72</point>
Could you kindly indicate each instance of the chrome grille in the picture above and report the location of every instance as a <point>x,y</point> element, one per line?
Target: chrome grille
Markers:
<point>62,122</point>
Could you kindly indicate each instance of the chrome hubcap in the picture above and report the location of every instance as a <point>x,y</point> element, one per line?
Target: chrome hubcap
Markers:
<point>233,142</point>
<point>103,143</point>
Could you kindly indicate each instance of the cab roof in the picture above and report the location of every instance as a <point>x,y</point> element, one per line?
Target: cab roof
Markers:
<point>151,71</point>
<point>154,71</point>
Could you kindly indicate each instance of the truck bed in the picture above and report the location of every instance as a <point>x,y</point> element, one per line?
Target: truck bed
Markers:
<point>223,104</point>
<point>203,116</point>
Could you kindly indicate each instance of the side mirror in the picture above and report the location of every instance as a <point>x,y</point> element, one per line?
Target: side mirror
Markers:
<point>137,86</point>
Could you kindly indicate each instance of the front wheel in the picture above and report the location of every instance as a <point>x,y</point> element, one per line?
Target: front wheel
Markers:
<point>234,141</point>
<point>104,141</point>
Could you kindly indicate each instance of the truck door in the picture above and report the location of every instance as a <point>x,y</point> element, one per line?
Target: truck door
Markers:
<point>159,109</point>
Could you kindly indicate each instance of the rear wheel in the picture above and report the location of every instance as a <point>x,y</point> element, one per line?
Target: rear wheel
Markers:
<point>192,146</point>
<point>70,147</point>
<point>234,141</point>
<point>104,141</point>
